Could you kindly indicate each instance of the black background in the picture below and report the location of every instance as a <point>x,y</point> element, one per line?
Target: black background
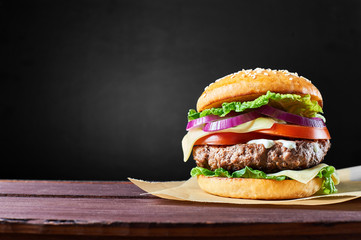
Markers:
<point>100,89</point>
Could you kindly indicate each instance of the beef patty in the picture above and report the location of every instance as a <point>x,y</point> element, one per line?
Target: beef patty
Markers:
<point>306,154</point>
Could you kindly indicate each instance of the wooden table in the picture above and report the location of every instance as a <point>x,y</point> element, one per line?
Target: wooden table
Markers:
<point>112,210</point>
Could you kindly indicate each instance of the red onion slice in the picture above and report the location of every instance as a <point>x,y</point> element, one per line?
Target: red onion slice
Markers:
<point>231,122</point>
<point>199,121</point>
<point>291,118</point>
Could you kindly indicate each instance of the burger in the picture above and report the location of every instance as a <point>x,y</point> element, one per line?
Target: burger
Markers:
<point>260,134</point>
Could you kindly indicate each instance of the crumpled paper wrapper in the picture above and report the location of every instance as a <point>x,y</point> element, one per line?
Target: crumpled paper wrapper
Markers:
<point>189,190</point>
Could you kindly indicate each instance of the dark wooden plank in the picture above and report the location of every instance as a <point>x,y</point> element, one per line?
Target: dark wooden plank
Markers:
<point>157,211</point>
<point>82,237</point>
<point>249,231</point>
<point>94,209</point>
<point>99,189</point>
<point>158,217</point>
<point>74,189</point>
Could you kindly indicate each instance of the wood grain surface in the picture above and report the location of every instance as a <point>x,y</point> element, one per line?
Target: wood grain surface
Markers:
<point>98,210</point>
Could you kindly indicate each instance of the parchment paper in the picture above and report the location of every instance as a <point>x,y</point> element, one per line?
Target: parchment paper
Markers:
<point>190,191</point>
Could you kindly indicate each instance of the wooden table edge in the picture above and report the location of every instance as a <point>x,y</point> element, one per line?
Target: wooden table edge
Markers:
<point>179,230</point>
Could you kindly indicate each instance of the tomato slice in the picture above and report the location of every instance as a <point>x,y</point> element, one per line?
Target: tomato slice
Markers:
<point>229,138</point>
<point>277,131</point>
<point>296,131</point>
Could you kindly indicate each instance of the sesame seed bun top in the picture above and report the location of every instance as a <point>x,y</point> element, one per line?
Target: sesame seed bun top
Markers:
<point>247,85</point>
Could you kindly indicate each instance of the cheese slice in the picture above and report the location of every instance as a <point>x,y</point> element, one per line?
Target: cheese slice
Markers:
<point>305,175</point>
<point>193,135</point>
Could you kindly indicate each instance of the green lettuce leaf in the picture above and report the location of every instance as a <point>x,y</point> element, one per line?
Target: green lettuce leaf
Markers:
<point>325,173</point>
<point>292,103</point>
<point>246,172</point>
<point>328,186</point>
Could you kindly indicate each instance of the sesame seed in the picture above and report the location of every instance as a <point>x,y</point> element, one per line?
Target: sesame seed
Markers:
<point>258,70</point>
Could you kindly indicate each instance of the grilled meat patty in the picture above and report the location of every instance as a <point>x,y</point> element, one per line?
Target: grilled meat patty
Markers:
<point>306,154</point>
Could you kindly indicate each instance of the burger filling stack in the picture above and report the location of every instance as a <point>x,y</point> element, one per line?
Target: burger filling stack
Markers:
<point>260,134</point>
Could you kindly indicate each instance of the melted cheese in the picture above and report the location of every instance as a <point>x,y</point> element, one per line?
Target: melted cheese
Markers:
<point>270,143</point>
<point>265,142</point>
<point>288,144</point>
<point>305,175</point>
<point>193,135</point>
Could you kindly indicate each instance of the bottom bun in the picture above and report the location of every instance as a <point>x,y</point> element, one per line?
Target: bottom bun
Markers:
<point>258,188</point>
